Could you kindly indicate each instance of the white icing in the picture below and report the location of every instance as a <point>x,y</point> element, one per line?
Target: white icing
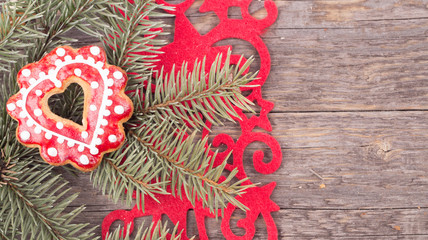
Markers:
<point>59,125</point>
<point>60,52</point>
<point>112,138</point>
<point>119,109</point>
<point>52,77</point>
<point>85,134</point>
<point>25,135</point>
<point>11,106</point>
<point>39,93</point>
<point>98,141</point>
<point>118,75</point>
<point>22,114</point>
<point>20,103</point>
<point>38,112</point>
<point>106,113</point>
<point>110,82</point>
<point>52,152</point>
<point>95,50</point>
<point>48,135</point>
<point>100,64</point>
<point>42,74</point>
<point>38,130</point>
<point>32,81</point>
<point>109,102</point>
<point>94,85</point>
<point>26,72</point>
<point>100,131</point>
<point>30,122</point>
<point>71,143</point>
<point>78,72</point>
<point>60,140</point>
<point>81,148</point>
<point>93,107</point>
<point>94,151</point>
<point>84,160</point>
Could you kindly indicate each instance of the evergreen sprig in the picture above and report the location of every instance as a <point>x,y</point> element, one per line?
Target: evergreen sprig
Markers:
<point>156,231</point>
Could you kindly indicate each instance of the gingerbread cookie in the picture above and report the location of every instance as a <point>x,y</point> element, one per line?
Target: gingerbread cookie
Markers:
<point>106,108</point>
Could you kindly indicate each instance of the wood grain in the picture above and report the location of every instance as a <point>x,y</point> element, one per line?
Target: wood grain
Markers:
<point>349,81</point>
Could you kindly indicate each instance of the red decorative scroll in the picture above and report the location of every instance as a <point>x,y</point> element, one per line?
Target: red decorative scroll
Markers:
<point>189,45</point>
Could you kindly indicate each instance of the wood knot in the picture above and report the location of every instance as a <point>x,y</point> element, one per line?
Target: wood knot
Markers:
<point>381,150</point>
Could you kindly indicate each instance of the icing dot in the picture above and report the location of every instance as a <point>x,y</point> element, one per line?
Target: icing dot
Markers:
<point>91,60</point>
<point>94,85</point>
<point>39,93</point>
<point>68,58</point>
<point>52,152</point>
<point>106,113</point>
<point>78,72</point>
<point>95,50</point>
<point>70,144</point>
<point>30,122</point>
<point>48,135</point>
<point>59,125</point>
<point>100,131</point>
<point>84,160</point>
<point>109,92</point>
<point>110,82</point>
<point>79,58</point>
<point>23,91</point>
<point>119,109</point>
<point>60,140</point>
<point>32,81</point>
<point>100,64</point>
<point>60,52</point>
<point>38,130</point>
<point>42,74</point>
<point>104,122</point>
<point>106,71</point>
<point>58,62</point>
<point>19,103</point>
<point>112,138</point>
<point>118,75</point>
<point>11,106</point>
<point>58,84</point>
<point>26,72</point>
<point>94,151</point>
<point>38,112</point>
<point>93,108</point>
<point>98,141</point>
<point>109,102</point>
<point>25,135</point>
<point>85,134</point>
<point>22,114</point>
<point>51,73</point>
<point>81,148</point>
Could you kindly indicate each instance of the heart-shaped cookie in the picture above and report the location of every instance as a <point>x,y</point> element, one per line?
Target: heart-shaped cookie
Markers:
<point>106,107</point>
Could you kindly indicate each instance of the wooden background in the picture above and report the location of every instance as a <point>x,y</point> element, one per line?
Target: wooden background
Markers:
<point>349,81</point>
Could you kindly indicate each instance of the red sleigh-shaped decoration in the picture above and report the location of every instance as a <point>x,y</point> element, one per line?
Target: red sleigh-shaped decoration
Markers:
<point>188,46</point>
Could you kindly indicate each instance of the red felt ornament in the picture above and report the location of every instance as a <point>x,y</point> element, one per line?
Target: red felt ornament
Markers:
<point>188,46</point>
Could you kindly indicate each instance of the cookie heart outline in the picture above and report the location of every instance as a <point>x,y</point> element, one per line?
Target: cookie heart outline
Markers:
<point>112,107</point>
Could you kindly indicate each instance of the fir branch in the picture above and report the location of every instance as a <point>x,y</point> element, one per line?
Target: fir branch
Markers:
<point>127,169</point>
<point>156,231</point>
<point>186,165</point>
<point>129,37</point>
<point>184,96</point>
